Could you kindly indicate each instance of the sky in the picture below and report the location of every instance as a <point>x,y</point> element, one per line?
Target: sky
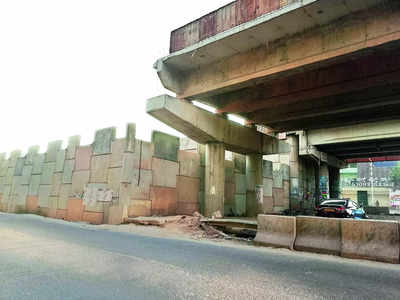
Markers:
<point>71,67</point>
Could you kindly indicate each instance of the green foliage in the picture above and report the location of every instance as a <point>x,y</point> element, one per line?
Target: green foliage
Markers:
<point>395,175</point>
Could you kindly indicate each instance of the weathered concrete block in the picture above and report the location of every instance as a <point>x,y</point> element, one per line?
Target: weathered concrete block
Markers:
<point>3,168</point>
<point>164,172</point>
<point>94,196</point>
<point>14,155</point>
<point>276,231</point>
<point>64,195</point>
<point>26,174</point>
<point>229,192</point>
<point>286,193</point>
<point>21,195</point>
<point>130,174</point>
<point>268,205</point>
<point>44,194</point>
<point>52,150</point>
<point>285,172</point>
<point>202,178</point>
<point>79,180</point>
<point>139,208</point>
<point>10,175</point>
<point>82,158</point>
<point>251,181</point>
<point>267,169</point>
<point>68,169</point>
<point>34,185</point>
<point>117,151</point>
<point>373,240</point>
<point>19,166</point>
<point>102,141</point>
<point>114,179</point>
<point>189,164</point>
<point>47,173</point>
<point>251,204</point>
<point>201,149</point>
<point>94,218</point>
<point>130,141</point>
<point>117,214</point>
<point>294,169</point>
<point>165,146</point>
<point>16,182</point>
<point>125,192</point>
<point>99,168</point>
<point>163,201</point>
<point>32,152</point>
<point>229,171</point>
<point>320,235</point>
<point>75,210</point>
<point>240,183</point>
<point>142,191</point>
<point>239,161</point>
<point>6,194</point>
<point>61,214</point>
<point>73,143</point>
<point>284,159</point>
<point>2,182</point>
<point>268,184</point>
<point>53,202</point>
<point>294,187</point>
<point>38,161</point>
<point>146,155</point>
<point>278,178</point>
<point>277,194</point>
<point>32,203</point>
<point>187,193</point>
<point>201,201</point>
<point>187,208</point>
<point>240,205</point>
<point>187,144</point>
<point>60,159</point>
<point>56,184</point>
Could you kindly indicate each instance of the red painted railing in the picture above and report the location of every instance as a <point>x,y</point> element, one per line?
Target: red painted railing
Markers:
<point>229,16</point>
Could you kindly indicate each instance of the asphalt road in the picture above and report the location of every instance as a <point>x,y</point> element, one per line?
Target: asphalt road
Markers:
<point>49,259</point>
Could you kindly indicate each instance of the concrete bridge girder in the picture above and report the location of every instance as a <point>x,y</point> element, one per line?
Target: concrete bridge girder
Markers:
<point>205,127</point>
<point>219,134</point>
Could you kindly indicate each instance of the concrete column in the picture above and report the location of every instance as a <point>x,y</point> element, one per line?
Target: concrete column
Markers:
<point>254,178</point>
<point>215,179</point>
<point>324,181</point>
<point>295,201</point>
<point>334,183</point>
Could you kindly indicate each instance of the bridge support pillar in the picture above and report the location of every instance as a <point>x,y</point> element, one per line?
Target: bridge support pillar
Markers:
<point>294,174</point>
<point>334,182</point>
<point>214,179</point>
<point>254,177</point>
<point>324,181</point>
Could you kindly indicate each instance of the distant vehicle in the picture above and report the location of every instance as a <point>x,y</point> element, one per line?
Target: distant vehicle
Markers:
<point>341,209</point>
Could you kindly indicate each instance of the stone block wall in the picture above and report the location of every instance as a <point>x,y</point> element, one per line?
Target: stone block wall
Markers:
<point>276,173</point>
<point>105,181</point>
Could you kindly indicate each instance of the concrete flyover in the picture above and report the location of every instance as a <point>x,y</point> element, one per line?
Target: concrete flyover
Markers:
<point>322,74</point>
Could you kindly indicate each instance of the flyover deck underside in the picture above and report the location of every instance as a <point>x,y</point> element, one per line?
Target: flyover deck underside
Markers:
<point>364,88</point>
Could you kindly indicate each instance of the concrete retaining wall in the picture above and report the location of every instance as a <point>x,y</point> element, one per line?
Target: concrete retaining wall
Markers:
<point>374,240</point>
<point>103,182</point>
<point>276,231</point>
<point>319,235</point>
<point>364,239</point>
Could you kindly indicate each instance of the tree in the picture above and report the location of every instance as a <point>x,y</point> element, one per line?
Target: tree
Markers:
<point>395,175</point>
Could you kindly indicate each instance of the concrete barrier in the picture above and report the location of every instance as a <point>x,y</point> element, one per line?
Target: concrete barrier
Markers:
<point>373,240</point>
<point>320,235</point>
<point>276,231</point>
